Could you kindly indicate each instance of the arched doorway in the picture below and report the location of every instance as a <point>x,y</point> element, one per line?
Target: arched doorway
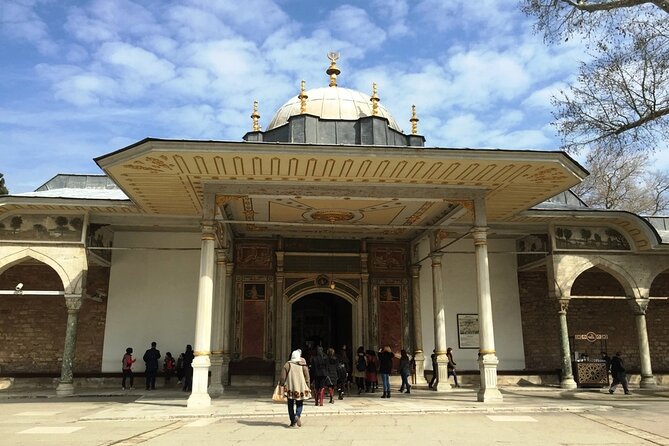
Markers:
<point>321,319</point>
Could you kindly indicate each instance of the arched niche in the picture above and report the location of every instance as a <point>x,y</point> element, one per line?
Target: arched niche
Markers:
<point>596,281</point>
<point>660,285</point>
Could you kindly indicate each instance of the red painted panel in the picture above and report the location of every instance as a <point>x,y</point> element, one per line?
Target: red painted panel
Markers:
<point>253,331</point>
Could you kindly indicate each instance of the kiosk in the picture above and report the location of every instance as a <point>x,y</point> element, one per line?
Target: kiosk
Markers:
<point>590,371</point>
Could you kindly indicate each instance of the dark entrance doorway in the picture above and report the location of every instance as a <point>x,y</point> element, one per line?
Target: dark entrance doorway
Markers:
<point>321,319</point>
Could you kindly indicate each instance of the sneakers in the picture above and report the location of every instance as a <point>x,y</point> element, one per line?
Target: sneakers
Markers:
<point>298,421</point>
<point>611,391</point>
<point>628,393</point>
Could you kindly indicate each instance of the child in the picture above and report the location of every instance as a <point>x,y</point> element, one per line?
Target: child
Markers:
<point>168,367</point>
<point>127,363</point>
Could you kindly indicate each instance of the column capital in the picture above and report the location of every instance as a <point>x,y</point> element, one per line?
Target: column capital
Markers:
<point>208,230</point>
<point>73,302</point>
<point>415,271</point>
<point>564,306</point>
<point>222,256</point>
<point>436,258</point>
<point>639,306</point>
<point>480,234</point>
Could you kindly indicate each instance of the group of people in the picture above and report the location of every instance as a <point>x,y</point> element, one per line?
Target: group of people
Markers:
<point>182,367</point>
<point>327,371</point>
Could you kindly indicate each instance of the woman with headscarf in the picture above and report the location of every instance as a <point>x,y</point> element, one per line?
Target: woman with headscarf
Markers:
<point>295,381</point>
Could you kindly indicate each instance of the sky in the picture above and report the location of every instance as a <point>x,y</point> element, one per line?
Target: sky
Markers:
<point>80,79</point>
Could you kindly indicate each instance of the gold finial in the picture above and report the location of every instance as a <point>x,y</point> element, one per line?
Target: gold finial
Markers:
<point>256,117</point>
<point>375,101</point>
<point>303,97</point>
<point>414,121</point>
<point>333,70</point>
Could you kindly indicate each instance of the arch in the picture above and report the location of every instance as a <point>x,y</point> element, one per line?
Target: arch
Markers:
<point>659,286</point>
<point>623,277</point>
<point>305,287</point>
<point>29,253</point>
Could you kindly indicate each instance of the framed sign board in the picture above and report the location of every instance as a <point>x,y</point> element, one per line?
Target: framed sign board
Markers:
<point>468,330</point>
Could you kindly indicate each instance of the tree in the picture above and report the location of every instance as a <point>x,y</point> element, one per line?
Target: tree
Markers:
<point>621,97</point>
<point>3,188</point>
<point>619,104</point>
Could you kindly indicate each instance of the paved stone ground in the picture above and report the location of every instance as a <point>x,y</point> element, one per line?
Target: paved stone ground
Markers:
<point>529,416</point>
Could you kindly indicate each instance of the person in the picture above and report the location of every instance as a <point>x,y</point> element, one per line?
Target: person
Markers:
<point>168,367</point>
<point>332,378</point>
<point>371,378</point>
<point>405,371</point>
<point>618,373</point>
<point>180,368</point>
<point>319,370</point>
<point>188,368</point>
<point>359,369</point>
<point>386,356</point>
<point>151,357</point>
<point>295,381</point>
<point>434,382</point>
<point>127,363</point>
<point>345,359</point>
<point>607,359</point>
<point>451,366</point>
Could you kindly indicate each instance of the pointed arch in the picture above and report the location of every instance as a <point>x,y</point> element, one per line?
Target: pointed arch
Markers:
<point>659,286</point>
<point>29,253</point>
<point>625,280</point>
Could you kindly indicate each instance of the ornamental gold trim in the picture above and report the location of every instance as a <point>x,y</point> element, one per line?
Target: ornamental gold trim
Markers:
<point>202,353</point>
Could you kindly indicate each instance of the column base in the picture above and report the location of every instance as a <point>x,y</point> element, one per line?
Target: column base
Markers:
<point>489,395</point>
<point>648,382</point>
<point>419,360</point>
<point>64,389</point>
<point>442,365</point>
<point>568,383</point>
<point>216,385</point>
<point>199,396</point>
<point>197,400</point>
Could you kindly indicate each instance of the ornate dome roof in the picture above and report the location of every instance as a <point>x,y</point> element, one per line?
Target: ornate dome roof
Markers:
<point>332,103</point>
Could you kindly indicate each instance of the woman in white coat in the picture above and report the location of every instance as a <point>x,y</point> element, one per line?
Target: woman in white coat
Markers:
<point>295,381</point>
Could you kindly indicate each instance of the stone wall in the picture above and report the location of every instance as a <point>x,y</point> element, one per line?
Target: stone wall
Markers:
<point>33,327</point>
<point>609,316</point>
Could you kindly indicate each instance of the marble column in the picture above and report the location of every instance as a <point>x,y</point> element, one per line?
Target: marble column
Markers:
<point>419,356</point>
<point>227,323</point>
<point>282,348</point>
<point>66,383</point>
<point>364,296</point>
<point>199,396</point>
<point>640,306</point>
<point>216,384</point>
<point>439,323</point>
<point>567,381</point>
<point>488,356</point>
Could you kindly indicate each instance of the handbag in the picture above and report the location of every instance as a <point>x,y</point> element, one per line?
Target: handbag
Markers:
<point>278,396</point>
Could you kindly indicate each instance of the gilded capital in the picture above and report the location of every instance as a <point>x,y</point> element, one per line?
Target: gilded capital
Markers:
<point>480,234</point>
<point>415,271</point>
<point>564,305</point>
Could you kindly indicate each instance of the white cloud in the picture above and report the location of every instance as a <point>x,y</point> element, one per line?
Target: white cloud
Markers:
<point>19,20</point>
<point>136,63</point>
<point>394,13</point>
<point>353,24</point>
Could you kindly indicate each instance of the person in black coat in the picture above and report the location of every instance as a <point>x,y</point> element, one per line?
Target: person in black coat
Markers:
<point>618,373</point>
<point>319,370</point>
<point>151,357</point>
<point>332,379</point>
<point>188,368</point>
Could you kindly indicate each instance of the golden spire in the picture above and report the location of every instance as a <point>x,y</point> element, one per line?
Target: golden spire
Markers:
<point>255,116</point>
<point>375,101</point>
<point>303,97</point>
<point>333,70</point>
<point>414,121</point>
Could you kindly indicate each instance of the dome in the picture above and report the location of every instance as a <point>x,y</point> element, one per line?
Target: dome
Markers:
<point>332,103</point>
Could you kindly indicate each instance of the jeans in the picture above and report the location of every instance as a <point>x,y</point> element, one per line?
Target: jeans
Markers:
<point>451,372</point>
<point>385,378</point>
<point>294,409</point>
<point>405,381</point>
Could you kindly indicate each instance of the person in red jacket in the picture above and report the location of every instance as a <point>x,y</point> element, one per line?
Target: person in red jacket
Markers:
<point>169,367</point>
<point>127,363</point>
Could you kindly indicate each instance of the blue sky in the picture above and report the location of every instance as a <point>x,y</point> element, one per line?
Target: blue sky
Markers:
<point>80,79</point>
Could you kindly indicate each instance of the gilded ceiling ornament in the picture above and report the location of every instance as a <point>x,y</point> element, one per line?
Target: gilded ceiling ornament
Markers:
<point>255,117</point>
<point>467,204</point>
<point>333,71</point>
<point>414,121</point>
<point>546,174</point>
<point>152,164</point>
<point>224,199</point>
<point>333,216</point>
<point>375,100</point>
<point>303,97</point>
<point>418,214</point>
<point>441,234</point>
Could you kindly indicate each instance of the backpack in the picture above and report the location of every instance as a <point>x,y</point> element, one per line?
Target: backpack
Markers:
<point>361,366</point>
